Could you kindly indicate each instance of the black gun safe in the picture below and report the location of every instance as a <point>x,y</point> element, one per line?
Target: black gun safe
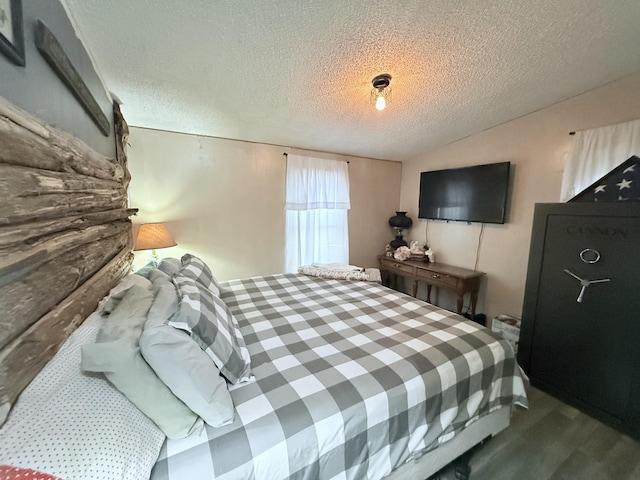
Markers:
<point>580,335</point>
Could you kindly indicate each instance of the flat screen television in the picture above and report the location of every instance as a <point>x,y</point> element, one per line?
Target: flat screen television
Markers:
<point>468,194</point>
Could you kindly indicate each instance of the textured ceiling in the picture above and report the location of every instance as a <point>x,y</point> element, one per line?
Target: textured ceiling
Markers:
<point>298,72</point>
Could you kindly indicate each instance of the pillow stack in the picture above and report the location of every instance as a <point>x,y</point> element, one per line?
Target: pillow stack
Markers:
<point>180,363</point>
<point>209,321</point>
<point>164,347</point>
<point>116,353</point>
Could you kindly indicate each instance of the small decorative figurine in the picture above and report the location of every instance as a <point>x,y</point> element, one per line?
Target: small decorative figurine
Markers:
<point>429,255</point>
<point>415,249</point>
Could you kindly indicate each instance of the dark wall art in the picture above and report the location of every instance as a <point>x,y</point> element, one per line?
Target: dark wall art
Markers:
<point>11,31</point>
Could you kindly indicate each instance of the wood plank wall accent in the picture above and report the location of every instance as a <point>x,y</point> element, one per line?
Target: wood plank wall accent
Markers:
<point>65,240</point>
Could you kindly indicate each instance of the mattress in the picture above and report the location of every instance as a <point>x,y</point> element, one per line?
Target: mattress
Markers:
<point>352,380</point>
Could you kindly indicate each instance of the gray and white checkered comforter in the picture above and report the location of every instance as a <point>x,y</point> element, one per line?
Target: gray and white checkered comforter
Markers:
<point>352,380</point>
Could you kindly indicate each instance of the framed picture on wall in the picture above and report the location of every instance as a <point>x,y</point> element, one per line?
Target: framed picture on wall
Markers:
<point>11,32</point>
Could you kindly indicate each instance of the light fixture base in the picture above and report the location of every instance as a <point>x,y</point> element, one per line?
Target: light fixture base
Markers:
<point>381,81</point>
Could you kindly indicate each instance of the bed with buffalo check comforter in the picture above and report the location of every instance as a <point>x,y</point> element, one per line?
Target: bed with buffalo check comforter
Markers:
<point>352,379</point>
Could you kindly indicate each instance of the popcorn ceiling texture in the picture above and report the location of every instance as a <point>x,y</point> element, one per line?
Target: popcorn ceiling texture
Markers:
<point>298,72</point>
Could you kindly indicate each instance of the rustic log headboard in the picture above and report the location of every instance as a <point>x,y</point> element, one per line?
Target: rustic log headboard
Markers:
<point>65,240</point>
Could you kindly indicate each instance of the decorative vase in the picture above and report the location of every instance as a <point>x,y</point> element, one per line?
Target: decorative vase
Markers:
<point>399,222</point>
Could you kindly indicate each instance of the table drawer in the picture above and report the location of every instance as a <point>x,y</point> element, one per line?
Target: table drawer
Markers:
<point>392,265</point>
<point>435,278</point>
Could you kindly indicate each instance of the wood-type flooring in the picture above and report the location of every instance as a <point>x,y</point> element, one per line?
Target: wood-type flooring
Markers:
<point>553,441</point>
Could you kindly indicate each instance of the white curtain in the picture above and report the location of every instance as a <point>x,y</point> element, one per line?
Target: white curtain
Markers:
<point>317,200</point>
<point>596,152</point>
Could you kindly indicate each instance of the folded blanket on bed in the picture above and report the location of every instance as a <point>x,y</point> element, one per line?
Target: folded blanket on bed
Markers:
<point>341,272</point>
<point>338,266</point>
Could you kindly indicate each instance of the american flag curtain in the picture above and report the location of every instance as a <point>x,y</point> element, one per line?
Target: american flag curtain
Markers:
<point>619,185</point>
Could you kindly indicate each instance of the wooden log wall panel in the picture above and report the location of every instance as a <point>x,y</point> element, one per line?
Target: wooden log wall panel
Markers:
<point>65,240</point>
<point>20,361</point>
<point>13,234</point>
<point>18,261</point>
<point>29,142</point>
<point>41,194</point>
<point>46,286</point>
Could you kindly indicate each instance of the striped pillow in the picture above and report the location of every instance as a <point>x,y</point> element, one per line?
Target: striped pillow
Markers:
<point>213,327</point>
<point>198,271</point>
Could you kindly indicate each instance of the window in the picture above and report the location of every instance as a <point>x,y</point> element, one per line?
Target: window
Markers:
<point>317,200</point>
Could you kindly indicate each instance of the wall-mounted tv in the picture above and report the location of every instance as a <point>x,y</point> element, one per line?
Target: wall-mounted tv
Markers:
<point>468,194</point>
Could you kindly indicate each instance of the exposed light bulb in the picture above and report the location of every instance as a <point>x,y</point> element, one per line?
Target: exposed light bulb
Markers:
<point>381,92</point>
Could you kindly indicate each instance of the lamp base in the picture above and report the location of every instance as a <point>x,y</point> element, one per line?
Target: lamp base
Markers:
<point>153,258</point>
<point>398,242</point>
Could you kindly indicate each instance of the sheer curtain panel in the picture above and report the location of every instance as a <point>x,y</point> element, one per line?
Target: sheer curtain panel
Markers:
<point>596,152</point>
<point>317,200</point>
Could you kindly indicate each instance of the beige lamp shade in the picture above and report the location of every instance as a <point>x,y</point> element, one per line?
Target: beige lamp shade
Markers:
<point>152,236</point>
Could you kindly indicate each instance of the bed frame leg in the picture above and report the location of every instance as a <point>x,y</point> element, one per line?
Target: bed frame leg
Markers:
<point>462,472</point>
<point>461,467</point>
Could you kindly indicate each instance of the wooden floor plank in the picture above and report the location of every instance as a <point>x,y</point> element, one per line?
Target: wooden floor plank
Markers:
<point>601,441</point>
<point>554,441</point>
<point>580,467</point>
<point>623,459</point>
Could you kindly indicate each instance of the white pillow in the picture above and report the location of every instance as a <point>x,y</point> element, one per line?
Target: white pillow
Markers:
<point>170,266</point>
<point>102,434</point>
<point>189,372</point>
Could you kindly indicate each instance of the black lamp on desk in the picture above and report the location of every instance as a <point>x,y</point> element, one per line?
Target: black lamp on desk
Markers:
<point>399,222</point>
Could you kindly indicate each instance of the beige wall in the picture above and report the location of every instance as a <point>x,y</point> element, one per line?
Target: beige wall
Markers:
<point>537,146</point>
<point>223,200</point>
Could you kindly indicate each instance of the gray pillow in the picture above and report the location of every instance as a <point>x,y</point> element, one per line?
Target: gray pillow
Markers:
<point>111,301</point>
<point>148,268</point>
<point>116,353</point>
<point>164,305</point>
<point>170,266</point>
<point>158,277</point>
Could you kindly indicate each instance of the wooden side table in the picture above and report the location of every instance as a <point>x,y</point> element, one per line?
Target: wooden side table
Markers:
<point>457,279</point>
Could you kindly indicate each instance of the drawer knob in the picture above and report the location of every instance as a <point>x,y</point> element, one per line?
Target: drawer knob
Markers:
<point>435,275</point>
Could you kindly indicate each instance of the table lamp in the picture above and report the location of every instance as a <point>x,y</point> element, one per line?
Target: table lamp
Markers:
<point>399,222</point>
<point>152,236</point>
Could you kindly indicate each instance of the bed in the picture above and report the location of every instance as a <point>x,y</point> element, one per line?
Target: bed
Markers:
<point>345,379</point>
<point>349,380</point>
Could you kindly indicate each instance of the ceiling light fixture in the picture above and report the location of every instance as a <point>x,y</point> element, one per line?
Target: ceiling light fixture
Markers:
<point>381,93</point>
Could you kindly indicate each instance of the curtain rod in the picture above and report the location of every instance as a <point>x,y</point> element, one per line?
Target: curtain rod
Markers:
<point>610,125</point>
<point>286,155</point>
